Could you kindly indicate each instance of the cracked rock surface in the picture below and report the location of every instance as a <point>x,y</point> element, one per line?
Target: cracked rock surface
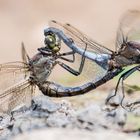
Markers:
<point>47,119</point>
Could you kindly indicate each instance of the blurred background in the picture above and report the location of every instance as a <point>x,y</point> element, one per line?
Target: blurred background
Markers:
<point>25,21</point>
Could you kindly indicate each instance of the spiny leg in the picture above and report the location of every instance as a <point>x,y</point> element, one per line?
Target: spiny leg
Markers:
<point>83,60</point>
<point>123,77</point>
<point>122,85</point>
<point>71,70</point>
<point>133,104</point>
<point>68,68</point>
<point>108,99</point>
<point>69,42</point>
<point>65,54</point>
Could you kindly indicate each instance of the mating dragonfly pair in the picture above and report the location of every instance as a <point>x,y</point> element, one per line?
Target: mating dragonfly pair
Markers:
<point>35,71</point>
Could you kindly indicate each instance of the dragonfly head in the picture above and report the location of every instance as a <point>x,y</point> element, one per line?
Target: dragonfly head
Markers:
<point>52,42</point>
<point>130,50</point>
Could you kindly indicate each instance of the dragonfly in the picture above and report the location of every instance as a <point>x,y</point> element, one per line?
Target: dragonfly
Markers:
<point>19,79</point>
<point>35,71</point>
<point>113,62</point>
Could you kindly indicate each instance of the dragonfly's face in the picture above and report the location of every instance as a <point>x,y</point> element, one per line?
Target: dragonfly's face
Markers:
<point>52,42</point>
<point>129,50</point>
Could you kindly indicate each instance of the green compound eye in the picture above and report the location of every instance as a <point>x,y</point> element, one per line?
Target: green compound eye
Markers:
<point>50,41</point>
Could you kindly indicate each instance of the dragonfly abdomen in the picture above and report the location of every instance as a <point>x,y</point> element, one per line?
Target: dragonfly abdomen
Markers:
<point>55,90</point>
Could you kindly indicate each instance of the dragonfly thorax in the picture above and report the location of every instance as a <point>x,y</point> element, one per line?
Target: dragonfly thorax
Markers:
<point>41,67</point>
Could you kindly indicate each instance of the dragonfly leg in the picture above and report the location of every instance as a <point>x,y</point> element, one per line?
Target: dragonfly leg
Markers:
<point>123,77</point>
<point>74,72</point>
<point>68,68</point>
<point>67,53</point>
<point>83,60</point>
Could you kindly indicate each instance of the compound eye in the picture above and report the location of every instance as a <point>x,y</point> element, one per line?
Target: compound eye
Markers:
<point>50,40</point>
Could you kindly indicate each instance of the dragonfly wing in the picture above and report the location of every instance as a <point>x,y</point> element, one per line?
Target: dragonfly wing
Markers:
<point>16,95</point>
<point>92,70</point>
<point>94,50</point>
<point>129,28</point>
<point>11,73</point>
<point>80,38</point>
<point>25,56</point>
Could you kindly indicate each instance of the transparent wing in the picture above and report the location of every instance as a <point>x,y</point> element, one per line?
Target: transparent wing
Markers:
<point>92,70</point>
<point>80,38</point>
<point>25,56</point>
<point>11,73</point>
<point>16,95</point>
<point>129,28</point>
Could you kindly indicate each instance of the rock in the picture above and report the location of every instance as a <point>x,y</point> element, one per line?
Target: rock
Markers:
<point>5,134</point>
<point>19,110</point>
<point>59,120</point>
<point>117,116</point>
<point>97,118</point>
<point>46,114</point>
<point>44,103</point>
<point>39,114</point>
<point>5,121</point>
<point>28,123</point>
<point>92,115</point>
<point>64,116</point>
